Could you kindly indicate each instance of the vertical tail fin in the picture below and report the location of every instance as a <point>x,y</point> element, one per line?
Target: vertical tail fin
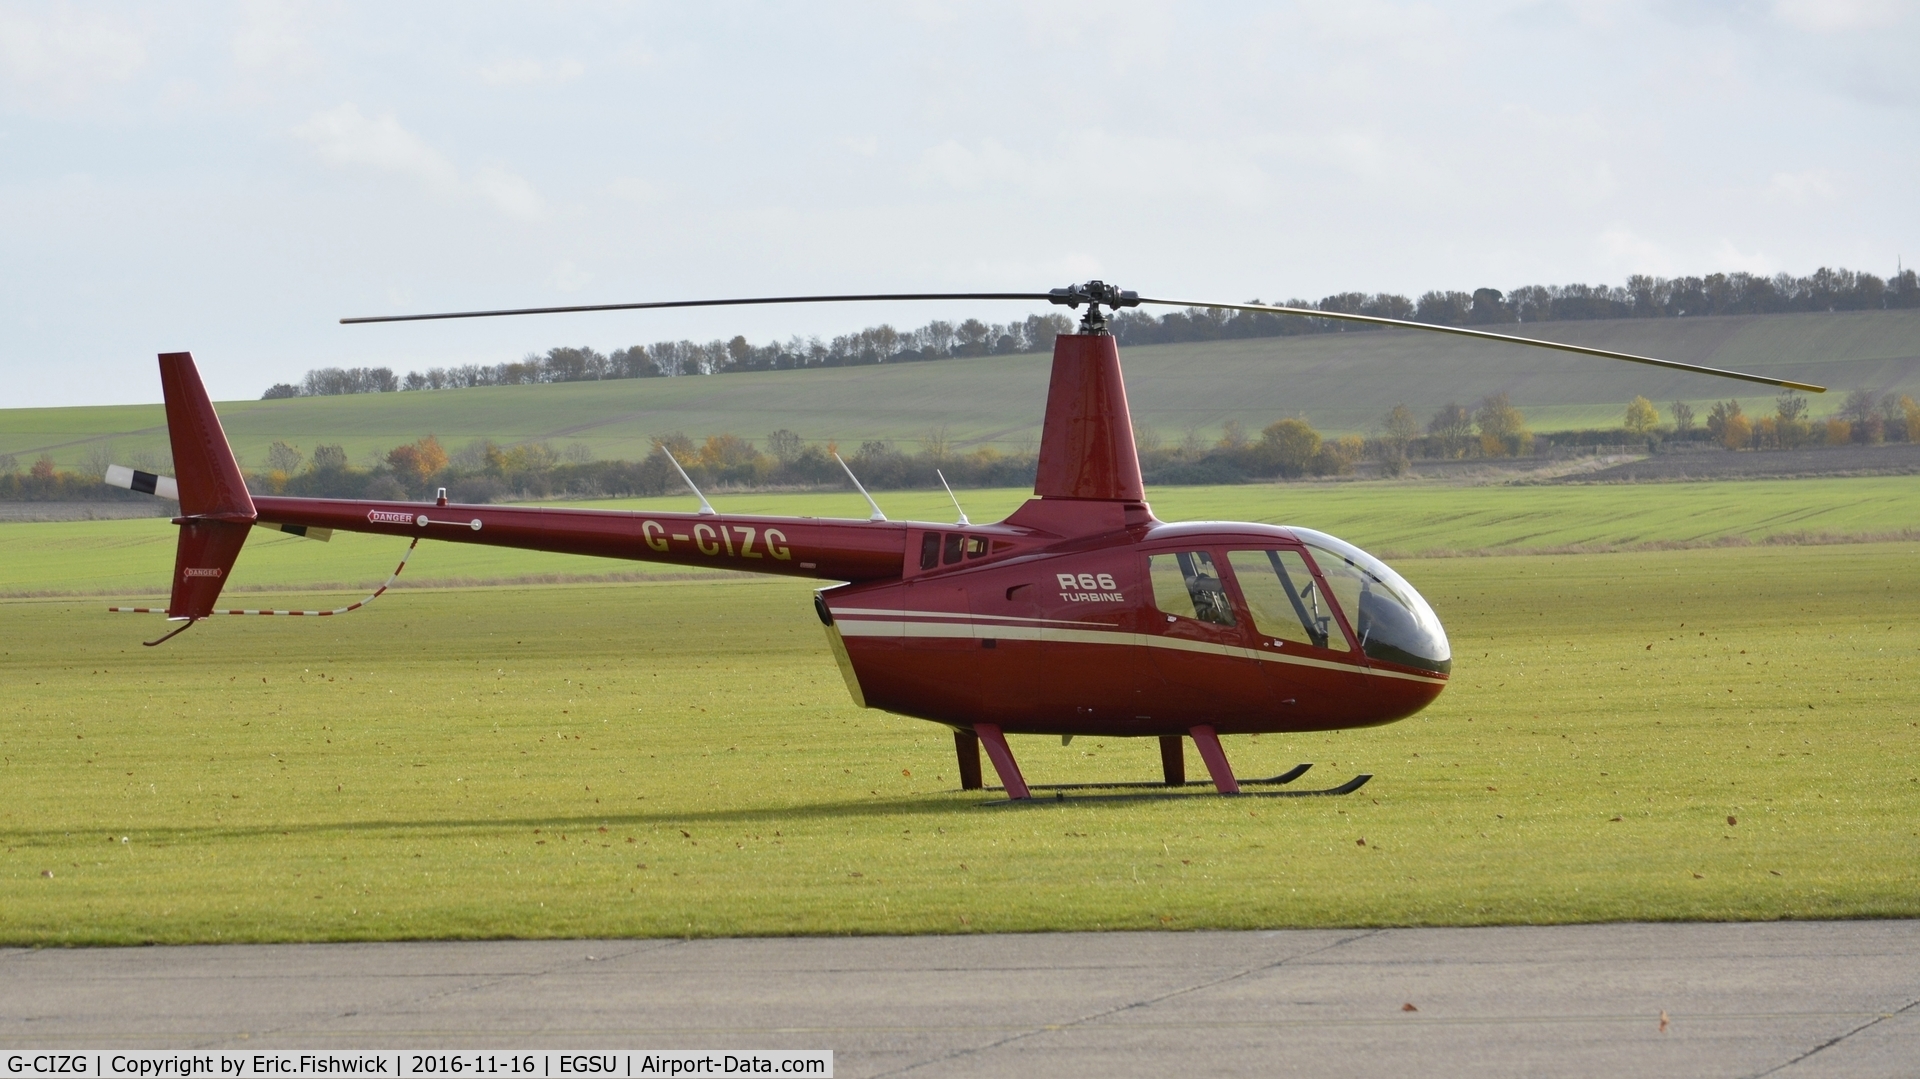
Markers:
<point>1086,444</point>
<point>215,510</point>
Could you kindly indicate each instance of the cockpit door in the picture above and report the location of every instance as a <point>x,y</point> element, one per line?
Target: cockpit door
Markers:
<point>1197,641</point>
<point>1303,649</point>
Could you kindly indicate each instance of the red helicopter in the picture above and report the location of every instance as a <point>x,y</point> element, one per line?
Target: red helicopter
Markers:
<point>1080,614</point>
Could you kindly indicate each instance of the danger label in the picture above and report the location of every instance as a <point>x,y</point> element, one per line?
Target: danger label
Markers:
<point>389,517</point>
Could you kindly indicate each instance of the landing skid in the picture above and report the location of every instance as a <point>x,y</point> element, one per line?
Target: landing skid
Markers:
<point>1283,778</point>
<point>1162,790</point>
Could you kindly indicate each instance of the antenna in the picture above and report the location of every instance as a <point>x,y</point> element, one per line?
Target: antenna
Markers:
<point>877,515</point>
<point>705,508</point>
<point>956,502</point>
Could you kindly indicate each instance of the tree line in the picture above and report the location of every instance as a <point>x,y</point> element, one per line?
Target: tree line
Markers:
<point>1290,448</point>
<point>1642,296</point>
<point>937,340</point>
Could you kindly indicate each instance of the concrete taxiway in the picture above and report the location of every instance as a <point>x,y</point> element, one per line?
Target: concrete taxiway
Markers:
<point>1798,999</point>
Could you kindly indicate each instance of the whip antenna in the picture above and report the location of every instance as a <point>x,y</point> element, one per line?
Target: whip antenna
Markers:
<point>877,515</point>
<point>706,509</point>
<point>956,502</point>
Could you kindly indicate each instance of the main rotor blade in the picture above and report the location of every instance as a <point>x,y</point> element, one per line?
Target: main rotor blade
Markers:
<point>742,302</point>
<point>1308,312</point>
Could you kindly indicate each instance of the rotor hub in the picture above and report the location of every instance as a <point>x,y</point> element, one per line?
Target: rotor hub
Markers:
<point>1094,294</point>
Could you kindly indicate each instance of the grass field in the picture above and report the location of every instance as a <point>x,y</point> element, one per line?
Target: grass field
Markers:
<point>681,759</point>
<point>136,556</point>
<point>1342,383</point>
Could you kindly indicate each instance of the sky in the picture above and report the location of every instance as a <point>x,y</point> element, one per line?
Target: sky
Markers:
<point>232,178</point>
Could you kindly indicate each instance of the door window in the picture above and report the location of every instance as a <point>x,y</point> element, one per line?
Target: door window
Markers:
<point>1187,584</point>
<point>1285,600</point>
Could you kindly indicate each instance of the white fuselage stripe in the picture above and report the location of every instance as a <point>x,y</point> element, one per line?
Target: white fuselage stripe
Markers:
<point>881,612</point>
<point>976,631</point>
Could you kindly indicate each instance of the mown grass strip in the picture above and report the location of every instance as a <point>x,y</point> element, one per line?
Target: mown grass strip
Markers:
<point>1698,734</point>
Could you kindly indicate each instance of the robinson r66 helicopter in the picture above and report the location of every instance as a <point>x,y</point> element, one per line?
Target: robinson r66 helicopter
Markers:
<point>1080,614</point>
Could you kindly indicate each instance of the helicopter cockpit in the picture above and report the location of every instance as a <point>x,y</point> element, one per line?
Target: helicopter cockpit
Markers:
<point>1394,623</point>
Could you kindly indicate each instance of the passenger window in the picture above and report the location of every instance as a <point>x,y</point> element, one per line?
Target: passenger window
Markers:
<point>1284,598</point>
<point>954,540</point>
<point>1187,584</point>
<point>976,546</point>
<point>929,550</point>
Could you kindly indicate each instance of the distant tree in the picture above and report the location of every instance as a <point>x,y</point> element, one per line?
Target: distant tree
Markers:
<point>632,362</point>
<point>417,462</point>
<point>936,444</point>
<point>1450,430</point>
<point>1682,417</point>
<point>328,459</point>
<point>1444,308</point>
<point>1503,430</point>
<point>42,469</point>
<point>93,463</point>
<point>679,447</point>
<point>9,464</point>
<point>1910,410</point>
<point>1336,456</point>
<point>1839,432</point>
<point>1399,428</point>
<point>1866,415</point>
<point>280,391</point>
<point>785,446</point>
<point>1719,416</point>
<point>1488,306</point>
<point>1287,448</point>
<point>724,451</point>
<point>283,457</point>
<point>1233,437</point>
<point>1791,430</point>
<point>1642,417</point>
<point>1737,433</point>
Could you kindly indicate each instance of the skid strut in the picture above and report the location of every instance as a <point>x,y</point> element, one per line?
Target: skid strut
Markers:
<point>1172,763</point>
<point>966,745</point>
<point>1173,760</point>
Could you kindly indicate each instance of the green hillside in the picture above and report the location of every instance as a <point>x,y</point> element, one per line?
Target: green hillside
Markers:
<point>1342,383</point>
<point>134,558</point>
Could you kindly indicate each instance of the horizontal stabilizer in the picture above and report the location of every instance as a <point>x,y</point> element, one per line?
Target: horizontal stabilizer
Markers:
<point>308,531</point>
<point>132,479</point>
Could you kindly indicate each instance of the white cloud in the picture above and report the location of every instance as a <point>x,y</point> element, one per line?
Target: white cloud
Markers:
<point>568,277</point>
<point>270,39</point>
<point>510,193</point>
<point>1632,253</point>
<point>344,136</point>
<point>970,169</point>
<point>347,138</point>
<point>865,146</point>
<point>1807,186</point>
<point>1096,163</point>
<point>61,56</point>
<point>526,71</point>
<point>1831,16</point>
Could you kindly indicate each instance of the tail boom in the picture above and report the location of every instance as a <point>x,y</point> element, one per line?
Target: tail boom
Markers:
<point>818,548</point>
